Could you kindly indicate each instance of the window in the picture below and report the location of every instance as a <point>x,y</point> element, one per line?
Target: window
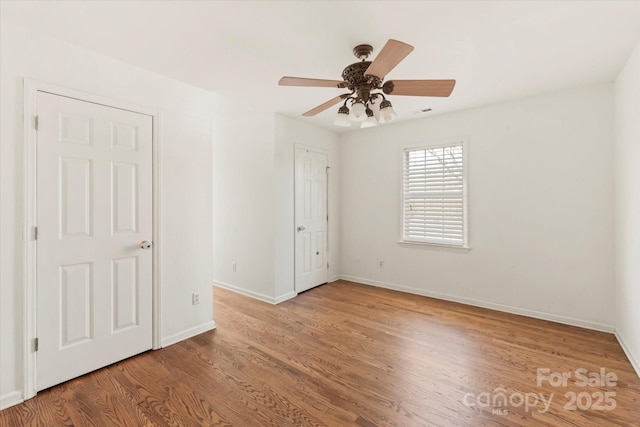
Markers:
<point>434,195</point>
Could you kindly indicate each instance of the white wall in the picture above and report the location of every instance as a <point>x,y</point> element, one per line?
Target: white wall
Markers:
<point>253,182</point>
<point>187,205</point>
<point>243,178</point>
<point>185,150</point>
<point>540,208</point>
<point>627,206</point>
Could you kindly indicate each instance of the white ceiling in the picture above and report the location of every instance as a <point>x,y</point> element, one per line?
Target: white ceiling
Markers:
<point>496,50</point>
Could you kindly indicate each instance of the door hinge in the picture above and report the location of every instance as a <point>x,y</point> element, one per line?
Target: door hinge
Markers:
<point>327,266</point>
<point>35,233</point>
<point>36,344</point>
<point>36,122</point>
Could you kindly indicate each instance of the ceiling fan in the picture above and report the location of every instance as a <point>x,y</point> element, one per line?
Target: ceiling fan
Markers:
<point>365,81</point>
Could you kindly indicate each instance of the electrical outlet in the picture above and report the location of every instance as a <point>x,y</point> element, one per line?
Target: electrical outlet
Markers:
<point>195,298</point>
<point>381,264</point>
<point>233,266</point>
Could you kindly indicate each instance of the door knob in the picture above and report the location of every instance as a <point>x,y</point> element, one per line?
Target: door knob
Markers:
<point>301,228</point>
<point>145,245</point>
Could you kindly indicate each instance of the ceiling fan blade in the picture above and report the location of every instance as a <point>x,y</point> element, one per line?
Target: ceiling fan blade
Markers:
<point>391,54</point>
<point>330,103</point>
<point>301,81</point>
<point>419,87</point>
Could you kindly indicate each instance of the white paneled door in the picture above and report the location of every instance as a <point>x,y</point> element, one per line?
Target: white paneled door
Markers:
<point>311,268</point>
<point>94,211</point>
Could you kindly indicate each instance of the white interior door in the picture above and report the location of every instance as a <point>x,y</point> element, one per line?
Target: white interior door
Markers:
<point>310,219</point>
<point>94,207</point>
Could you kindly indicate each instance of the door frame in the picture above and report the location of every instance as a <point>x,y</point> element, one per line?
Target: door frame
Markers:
<point>30,94</point>
<point>324,152</point>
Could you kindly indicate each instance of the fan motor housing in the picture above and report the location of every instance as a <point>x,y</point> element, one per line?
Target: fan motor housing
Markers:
<point>359,82</point>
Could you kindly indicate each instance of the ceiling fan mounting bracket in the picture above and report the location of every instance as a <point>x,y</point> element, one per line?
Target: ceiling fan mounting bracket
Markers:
<point>362,51</point>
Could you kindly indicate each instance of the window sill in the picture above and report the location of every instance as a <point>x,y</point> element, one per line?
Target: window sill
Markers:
<point>428,245</point>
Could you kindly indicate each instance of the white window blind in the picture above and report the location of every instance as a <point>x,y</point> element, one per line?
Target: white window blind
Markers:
<point>434,195</point>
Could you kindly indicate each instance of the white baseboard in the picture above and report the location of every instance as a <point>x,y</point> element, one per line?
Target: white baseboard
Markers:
<point>283,298</point>
<point>10,399</point>
<point>634,362</point>
<point>334,278</point>
<point>255,295</point>
<point>188,333</point>
<point>484,304</point>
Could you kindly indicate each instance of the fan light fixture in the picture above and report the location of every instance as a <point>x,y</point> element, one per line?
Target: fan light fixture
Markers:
<point>366,90</point>
<point>364,80</point>
<point>361,111</point>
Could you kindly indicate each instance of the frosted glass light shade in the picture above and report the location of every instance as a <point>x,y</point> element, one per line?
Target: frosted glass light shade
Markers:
<point>386,112</point>
<point>371,120</point>
<point>369,123</point>
<point>358,113</point>
<point>342,118</point>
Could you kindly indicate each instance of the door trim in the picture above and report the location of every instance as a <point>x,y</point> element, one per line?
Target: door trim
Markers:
<point>31,89</point>
<point>325,152</point>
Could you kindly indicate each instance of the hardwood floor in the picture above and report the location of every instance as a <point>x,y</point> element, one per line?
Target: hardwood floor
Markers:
<point>345,354</point>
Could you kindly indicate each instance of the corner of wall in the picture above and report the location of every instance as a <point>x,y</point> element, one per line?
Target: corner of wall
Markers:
<point>635,363</point>
<point>626,204</point>
<point>188,333</point>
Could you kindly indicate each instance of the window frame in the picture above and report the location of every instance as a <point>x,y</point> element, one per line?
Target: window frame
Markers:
<point>439,143</point>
